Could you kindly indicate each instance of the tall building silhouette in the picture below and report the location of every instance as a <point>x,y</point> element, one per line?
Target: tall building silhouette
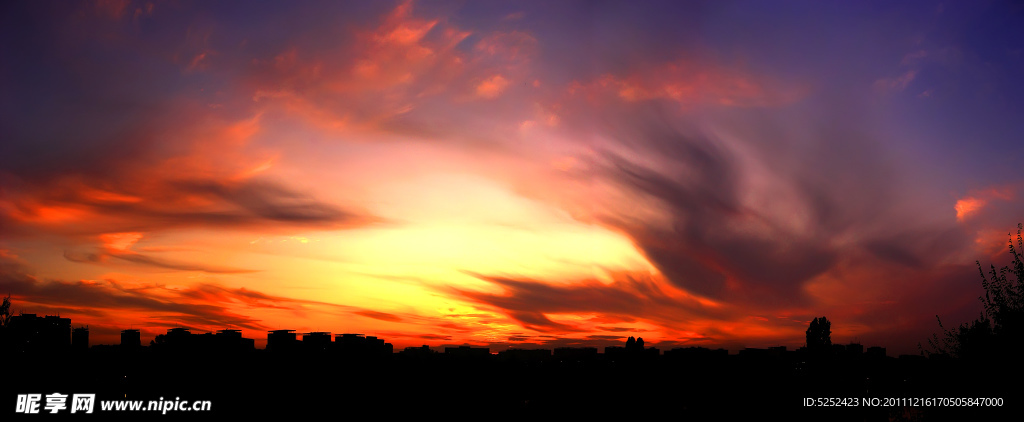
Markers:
<point>131,339</point>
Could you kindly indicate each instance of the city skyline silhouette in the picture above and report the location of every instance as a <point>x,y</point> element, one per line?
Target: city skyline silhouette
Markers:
<point>808,376</point>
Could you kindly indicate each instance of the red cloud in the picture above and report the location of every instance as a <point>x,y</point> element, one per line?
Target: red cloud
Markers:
<point>690,83</point>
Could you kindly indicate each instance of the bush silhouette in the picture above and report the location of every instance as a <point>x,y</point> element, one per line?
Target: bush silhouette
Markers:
<point>998,330</point>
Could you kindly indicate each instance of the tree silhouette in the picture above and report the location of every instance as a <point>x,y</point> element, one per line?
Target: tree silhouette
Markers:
<point>5,318</point>
<point>819,336</point>
<point>5,312</point>
<point>1000,327</point>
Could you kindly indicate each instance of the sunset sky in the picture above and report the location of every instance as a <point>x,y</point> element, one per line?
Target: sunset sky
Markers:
<point>529,174</point>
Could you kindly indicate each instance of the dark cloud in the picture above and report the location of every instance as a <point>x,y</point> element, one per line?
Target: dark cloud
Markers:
<point>433,337</point>
<point>101,297</point>
<point>200,305</point>
<point>539,322</point>
<point>248,203</point>
<point>383,316</point>
<point>705,246</point>
<point>619,329</point>
<point>154,262</point>
<point>921,248</point>
<point>268,201</point>
<point>101,102</point>
<point>83,257</point>
<point>527,301</point>
<point>216,293</point>
<point>172,204</point>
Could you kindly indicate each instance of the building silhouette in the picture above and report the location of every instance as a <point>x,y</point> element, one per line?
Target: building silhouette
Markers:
<point>32,333</point>
<point>575,354</point>
<point>131,339</point>
<point>280,341</point>
<point>696,354</point>
<point>855,349</point>
<point>177,339</point>
<point>232,340</point>
<point>80,338</point>
<point>359,345</point>
<point>422,352</point>
<point>524,355</point>
<point>222,342</point>
<point>467,352</point>
<point>318,341</point>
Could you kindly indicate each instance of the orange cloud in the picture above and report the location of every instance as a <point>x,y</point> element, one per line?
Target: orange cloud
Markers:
<point>398,54</point>
<point>400,29</point>
<point>491,87</point>
<point>385,73</point>
<point>199,61</point>
<point>389,71</point>
<point>53,214</point>
<point>106,196</point>
<point>120,241</point>
<point>207,179</point>
<point>972,204</point>
<point>967,206</point>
